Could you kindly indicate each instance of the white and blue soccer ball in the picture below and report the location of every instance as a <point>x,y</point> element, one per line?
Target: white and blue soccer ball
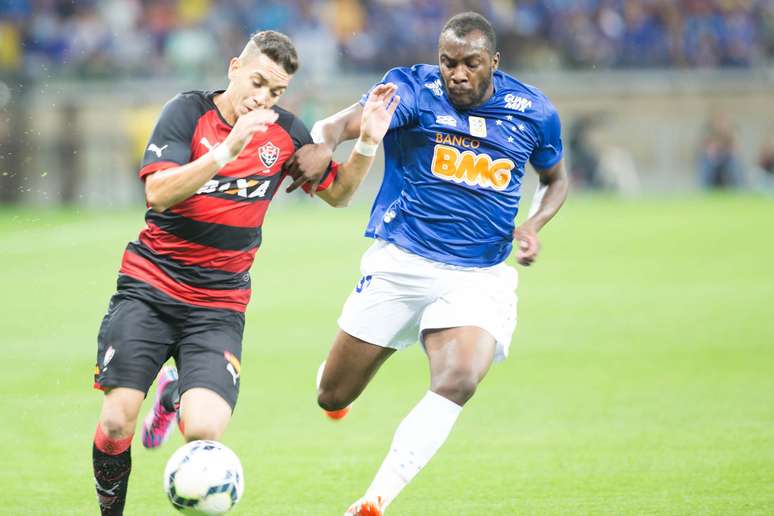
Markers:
<point>204,477</point>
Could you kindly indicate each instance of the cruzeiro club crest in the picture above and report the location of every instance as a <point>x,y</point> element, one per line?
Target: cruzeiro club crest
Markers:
<point>269,153</point>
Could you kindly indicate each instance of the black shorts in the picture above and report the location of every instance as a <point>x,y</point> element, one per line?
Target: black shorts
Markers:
<point>144,327</point>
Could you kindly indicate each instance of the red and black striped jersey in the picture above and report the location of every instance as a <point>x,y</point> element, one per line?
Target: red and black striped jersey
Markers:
<point>200,250</point>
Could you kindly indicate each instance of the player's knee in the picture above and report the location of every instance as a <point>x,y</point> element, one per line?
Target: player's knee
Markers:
<point>459,392</point>
<point>204,414</point>
<point>457,385</point>
<point>195,431</point>
<point>331,399</point>
<point>118,416</point>
<point>116,424</point>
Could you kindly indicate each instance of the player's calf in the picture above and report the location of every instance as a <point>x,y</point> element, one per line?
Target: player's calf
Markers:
<point>327,398</point>
<point>332,400</point>
<point>111,450</point>
<point>112,462</point>
<point>351,364</point>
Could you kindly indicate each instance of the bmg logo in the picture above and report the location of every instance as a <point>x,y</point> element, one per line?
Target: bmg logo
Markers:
<point>470,168</point>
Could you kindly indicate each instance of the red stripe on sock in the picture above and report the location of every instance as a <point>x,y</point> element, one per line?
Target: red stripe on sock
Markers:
<point>111,446</point>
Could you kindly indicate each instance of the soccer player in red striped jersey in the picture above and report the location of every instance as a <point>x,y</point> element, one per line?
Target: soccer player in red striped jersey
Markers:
<point>214,162</point>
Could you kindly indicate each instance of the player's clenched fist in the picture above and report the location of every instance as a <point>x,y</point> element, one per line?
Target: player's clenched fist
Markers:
<point>377,113</point>
<point>528,244</point>
<point>246,125</point>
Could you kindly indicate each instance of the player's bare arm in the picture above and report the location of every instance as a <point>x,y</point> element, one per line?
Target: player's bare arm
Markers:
<point>375,121</point>
<point>165,188</point>
<point>549,197</point>
<point>309,163</point>
<point>339,127</point>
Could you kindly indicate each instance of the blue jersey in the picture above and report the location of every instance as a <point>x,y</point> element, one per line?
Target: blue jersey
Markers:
<point>452,179</point>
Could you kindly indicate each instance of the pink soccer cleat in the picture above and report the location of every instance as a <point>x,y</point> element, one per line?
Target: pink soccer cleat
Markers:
<point>157,426</point>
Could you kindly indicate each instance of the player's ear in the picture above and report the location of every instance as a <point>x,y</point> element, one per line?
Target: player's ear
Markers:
<point>495,60</point>
<point>233,66</point>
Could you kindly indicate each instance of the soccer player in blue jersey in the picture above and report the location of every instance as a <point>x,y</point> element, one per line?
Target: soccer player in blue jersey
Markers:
<point>443,224</point>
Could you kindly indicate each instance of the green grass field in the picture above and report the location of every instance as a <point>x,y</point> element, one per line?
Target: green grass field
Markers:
<point>641,378</point>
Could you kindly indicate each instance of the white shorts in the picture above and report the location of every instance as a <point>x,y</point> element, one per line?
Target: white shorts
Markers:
<point>401,294</point>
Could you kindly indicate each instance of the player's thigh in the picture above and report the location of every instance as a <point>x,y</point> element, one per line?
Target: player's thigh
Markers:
<point>209,353</point>
<point>350,365</point>
<point>478,298</point>
<point>463,353</point>
<point>118,415</point>
<point>385,306</point>
<point>204,414</point>
<point>134,340</point>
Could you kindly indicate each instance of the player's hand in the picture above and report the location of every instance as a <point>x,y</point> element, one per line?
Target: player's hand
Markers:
<point>246,125</point>
<point>377,113</point>
<point>308,165</point>
<point>528,244</point>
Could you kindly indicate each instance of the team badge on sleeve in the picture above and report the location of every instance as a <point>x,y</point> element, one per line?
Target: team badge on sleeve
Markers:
<point>269,153</point>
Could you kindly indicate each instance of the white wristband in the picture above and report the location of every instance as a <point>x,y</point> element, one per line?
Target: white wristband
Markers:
<point>366,149</point>
<point>222,155</point>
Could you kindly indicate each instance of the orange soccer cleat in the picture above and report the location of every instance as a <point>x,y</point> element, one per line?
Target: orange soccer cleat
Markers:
<point>365,507</point>
<point>337,414</point>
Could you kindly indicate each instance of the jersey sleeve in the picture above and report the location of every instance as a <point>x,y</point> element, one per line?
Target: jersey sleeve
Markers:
<point>170,142</point>
<point>299,133</point>
<point>549,150</point>
<point>406,112</point>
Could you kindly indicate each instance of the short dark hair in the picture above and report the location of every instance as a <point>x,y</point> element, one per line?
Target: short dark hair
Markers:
<point>277,47</point>
<point>464,23</point>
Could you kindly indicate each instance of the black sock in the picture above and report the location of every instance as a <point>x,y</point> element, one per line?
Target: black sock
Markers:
<point>111,474</point>
<point>170,398</point>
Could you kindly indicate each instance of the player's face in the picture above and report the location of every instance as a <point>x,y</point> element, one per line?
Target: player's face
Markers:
<point>466,68</point>
<point>257,82</point>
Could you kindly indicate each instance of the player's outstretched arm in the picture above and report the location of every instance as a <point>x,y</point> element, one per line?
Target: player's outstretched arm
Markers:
<point>166,188</point>
<point>339,127</point>
<point>375,121</point>
<point>549,197</point>
<point>327,133</point>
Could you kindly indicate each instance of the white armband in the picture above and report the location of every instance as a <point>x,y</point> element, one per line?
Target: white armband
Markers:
<point>366,149</point>
<point>316,133</point>
<point>222,155</point>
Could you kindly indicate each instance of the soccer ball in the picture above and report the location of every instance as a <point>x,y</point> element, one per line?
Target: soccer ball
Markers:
<point>204,477</point>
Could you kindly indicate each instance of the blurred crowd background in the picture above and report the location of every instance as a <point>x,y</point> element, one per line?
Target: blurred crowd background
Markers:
<point>147,38</point>
<point>654,94</point>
